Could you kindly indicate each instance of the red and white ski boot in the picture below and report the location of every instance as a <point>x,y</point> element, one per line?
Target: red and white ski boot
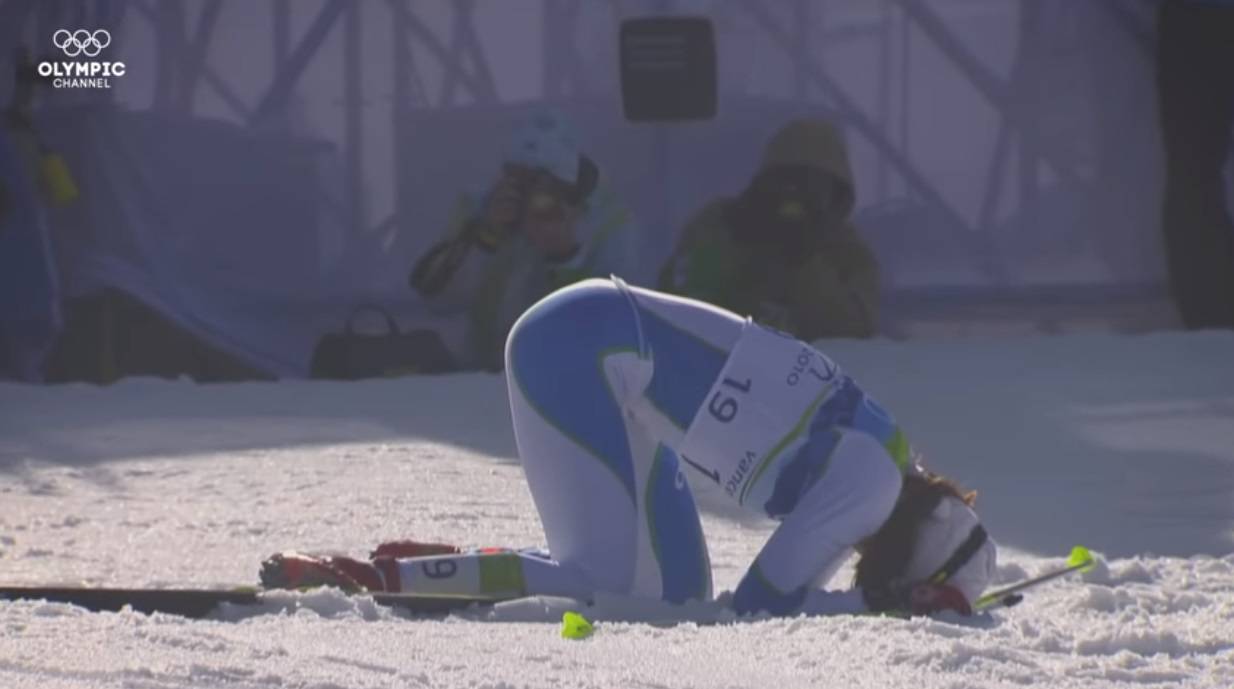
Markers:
<point>293,570</point>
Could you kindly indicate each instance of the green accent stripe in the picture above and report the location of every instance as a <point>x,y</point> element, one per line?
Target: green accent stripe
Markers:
<point>898,448</point>
<point>502,573</point>
<point>802,424</point>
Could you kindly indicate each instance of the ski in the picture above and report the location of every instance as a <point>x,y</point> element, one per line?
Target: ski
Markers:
<point>199,603</point>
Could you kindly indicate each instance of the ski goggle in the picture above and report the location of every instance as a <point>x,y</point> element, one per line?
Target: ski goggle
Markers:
<point>962,555</point>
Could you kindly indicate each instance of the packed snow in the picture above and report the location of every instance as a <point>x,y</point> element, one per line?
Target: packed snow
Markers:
<point>1123,444</point>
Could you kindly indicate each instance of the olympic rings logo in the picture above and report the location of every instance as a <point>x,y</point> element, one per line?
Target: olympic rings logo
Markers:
<point>81,42</point>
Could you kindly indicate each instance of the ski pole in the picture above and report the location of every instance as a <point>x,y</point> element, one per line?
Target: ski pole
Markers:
<point>1080,560</point>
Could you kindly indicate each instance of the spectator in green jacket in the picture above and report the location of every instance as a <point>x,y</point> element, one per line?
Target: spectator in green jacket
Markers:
<point>784,250</point>
<point>548,220</point>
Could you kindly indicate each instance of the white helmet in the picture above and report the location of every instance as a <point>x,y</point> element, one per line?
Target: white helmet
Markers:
<point>953,548</point>
<point>547,141</point>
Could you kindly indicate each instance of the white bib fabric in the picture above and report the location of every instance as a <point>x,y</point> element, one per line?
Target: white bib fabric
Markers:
<point>758,411</point>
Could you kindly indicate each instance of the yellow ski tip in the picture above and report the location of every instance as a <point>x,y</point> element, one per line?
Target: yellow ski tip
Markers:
<point>1081,559</point>
<point>575,626</point>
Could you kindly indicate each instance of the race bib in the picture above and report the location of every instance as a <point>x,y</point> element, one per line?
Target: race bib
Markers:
<point>761,403</point>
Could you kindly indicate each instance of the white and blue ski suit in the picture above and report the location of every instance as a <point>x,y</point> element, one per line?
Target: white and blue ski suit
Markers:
<point>622,397</point>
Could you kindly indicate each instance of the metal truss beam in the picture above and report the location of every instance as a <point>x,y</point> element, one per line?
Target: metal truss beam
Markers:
<point>562,64</point>
<point>403,17</point>
<point>195,51</point>
<point>168,18</point>
<point>13,15</point>
<point>353,99</point>
<point>408,87</point>
<point>997,92</point>
<point>284,83</point>
<point>208,75</point>
<point>464,43</point>
<point>281,20</point>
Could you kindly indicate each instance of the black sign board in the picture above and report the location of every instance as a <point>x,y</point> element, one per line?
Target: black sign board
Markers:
<point>668,69</point>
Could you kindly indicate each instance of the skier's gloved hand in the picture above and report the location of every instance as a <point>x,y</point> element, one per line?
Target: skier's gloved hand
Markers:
<point>917,599</point>
<point>927,599</point>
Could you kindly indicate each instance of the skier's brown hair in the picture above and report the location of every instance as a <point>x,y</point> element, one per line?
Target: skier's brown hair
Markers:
<point>886,554</point>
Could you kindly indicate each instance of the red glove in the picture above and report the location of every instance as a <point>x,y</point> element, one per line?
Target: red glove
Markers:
<point>919,599</point>
<point>927,599</point>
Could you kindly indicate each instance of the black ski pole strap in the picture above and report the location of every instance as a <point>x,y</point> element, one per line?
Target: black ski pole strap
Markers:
<point>976,538</point>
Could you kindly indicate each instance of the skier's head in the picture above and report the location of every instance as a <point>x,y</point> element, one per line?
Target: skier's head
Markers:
<point>933,535</point>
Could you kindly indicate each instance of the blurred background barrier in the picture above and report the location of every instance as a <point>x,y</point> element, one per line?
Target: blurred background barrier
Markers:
<point>258,169</point>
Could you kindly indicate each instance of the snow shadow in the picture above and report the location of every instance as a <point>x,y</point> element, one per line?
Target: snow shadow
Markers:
<point>84,424</point>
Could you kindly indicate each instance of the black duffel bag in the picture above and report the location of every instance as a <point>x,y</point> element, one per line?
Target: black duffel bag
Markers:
<point>351,355</point>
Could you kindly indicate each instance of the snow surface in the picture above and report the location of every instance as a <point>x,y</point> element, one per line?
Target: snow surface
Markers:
<point>1124,444</point>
